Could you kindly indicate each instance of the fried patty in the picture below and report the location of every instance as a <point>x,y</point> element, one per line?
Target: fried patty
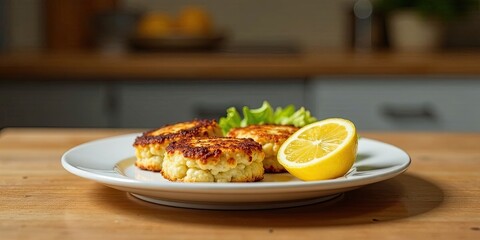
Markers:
<point>213,160</point>
<point>271,137</point>
<point>150,146</point>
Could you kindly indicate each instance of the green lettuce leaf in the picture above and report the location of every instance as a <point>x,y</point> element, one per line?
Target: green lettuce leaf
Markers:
<point>232,120</point>
<point>266,115</point>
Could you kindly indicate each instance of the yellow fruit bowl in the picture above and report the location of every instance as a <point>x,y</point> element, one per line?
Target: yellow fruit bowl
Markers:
<point>192,29</point>
<point>177,42</point>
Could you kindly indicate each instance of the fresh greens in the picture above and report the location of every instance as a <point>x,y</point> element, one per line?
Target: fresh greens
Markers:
<point>266,115</point>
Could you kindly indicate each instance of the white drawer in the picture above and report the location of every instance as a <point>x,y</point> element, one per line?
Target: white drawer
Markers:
<point>408,103</point>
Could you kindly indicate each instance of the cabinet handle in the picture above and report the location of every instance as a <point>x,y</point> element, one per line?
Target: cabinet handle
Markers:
<point>406,112</point>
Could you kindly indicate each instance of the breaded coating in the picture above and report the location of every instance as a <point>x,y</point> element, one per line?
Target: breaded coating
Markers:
<point>271,137</point>
<point>150,146</point>
<point>213,160</point>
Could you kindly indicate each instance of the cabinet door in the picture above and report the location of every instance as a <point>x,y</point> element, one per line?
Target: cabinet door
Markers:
<point>53,104</point>
<point>409,103</point>
<point>152,104</point>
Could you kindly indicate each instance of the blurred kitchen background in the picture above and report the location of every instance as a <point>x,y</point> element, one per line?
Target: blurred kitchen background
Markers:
<point>398,65</point>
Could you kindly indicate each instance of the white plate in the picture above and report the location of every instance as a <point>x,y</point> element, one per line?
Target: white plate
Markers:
<point>110,161</point>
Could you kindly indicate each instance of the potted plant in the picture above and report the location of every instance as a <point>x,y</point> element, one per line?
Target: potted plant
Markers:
<point>418,25</point>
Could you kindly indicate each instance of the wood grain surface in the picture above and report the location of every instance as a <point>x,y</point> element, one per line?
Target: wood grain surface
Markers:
<point>437,198</point>
<point>135,66</point>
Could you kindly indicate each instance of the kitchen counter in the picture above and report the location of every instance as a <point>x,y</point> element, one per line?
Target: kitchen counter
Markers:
<point>437,197</point>
<point>224,65</point>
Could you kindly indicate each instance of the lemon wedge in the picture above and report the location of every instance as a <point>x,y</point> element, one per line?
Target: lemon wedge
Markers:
<point>322,150</point>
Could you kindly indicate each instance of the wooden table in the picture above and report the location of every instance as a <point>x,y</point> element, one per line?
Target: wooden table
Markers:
<point>437,198</point>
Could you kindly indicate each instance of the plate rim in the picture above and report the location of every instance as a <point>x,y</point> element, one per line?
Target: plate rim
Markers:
<point>297,186</point>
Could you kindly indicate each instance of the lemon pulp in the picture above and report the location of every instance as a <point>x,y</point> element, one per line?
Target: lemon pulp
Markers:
<point>321,150</point>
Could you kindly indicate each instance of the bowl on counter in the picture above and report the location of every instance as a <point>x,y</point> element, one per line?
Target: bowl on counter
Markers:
<point>177,42</point>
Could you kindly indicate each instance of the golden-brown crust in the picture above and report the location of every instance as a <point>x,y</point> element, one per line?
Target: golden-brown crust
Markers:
<point>173,132</point>
<point>217,159</point>
<point>205,149</point>
<point>262,134</point>
<point>271,137</point>
<point>150,146</point>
